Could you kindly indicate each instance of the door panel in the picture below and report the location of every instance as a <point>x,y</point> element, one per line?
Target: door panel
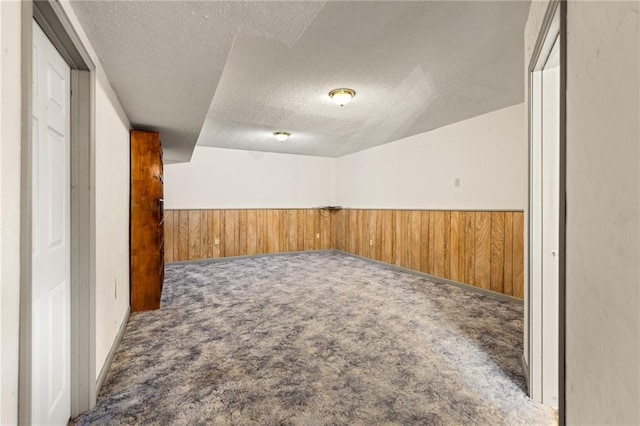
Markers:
<point>51,272</point>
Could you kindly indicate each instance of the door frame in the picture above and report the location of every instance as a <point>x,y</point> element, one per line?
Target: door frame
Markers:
<point>549,31</point>
<point>54,21</point>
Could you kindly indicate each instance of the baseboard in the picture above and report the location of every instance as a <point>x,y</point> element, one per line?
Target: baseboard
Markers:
<point>249,256</point>
<point>525,371</point>
<point>112,352</point>
<point>440,280</point>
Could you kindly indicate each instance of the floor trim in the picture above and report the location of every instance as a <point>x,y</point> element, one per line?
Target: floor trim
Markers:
<point>112,352</point>
<point>248,256</point>
<point>525,371</point>
<point>440,280</point>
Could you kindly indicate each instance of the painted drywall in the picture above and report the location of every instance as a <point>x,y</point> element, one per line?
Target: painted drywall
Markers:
<point>487,154</point>
<point>112,224</point>
<point>10,131</point>
<point>603,209</point>
<point>226,178</point>
<point>603,214</point>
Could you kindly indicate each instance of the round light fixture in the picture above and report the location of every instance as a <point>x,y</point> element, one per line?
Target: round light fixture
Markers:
<point>281,136</point>
<point>342,96</point>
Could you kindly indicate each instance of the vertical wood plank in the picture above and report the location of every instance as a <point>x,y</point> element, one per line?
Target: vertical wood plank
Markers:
<point>377,241</point>
<point>362,229</point>
<point>398,241</point>
<point>205,236</point>
<point>387,236</point>
<point>462,276</point>
<point>302,220</point>
<point>284,245</point>
<point>252,232</point>
<point>470,247</point>
<point>508,253</point>
<point>339,230</point>
<point>334,217</point>
<point>209,225</point>
<point>432,239</point>
<point>406,235</point>
<point>168,236</point>
<point>241,250</point>
<point>497,252</point>
<point>309,230</point>
<point>273,245</point>
<point>261,231</point>
<point>194,235</point>
<point>414,236</point>
<point>317,232</point>
<point>518,254</point>
<point>447,244</point>
<point>229,241</point>
<point>183,248</point>
<point>424,241</point>
<point>353,231</point>
<point>370,241</point>
<point>439,244</point>
<point>325,229</point>
<point>292,225</point>
<point>454,246</point>
<point>216,226</point>
<point>483,250</point>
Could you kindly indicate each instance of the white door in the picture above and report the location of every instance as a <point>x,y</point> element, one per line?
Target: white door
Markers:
<point>51,321</point>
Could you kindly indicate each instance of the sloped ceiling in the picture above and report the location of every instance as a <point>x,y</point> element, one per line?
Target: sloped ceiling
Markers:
<point>229,74</point>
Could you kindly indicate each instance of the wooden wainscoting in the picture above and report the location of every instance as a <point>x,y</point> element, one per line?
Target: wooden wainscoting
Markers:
<point>192,234</point>
<point>481,248</point>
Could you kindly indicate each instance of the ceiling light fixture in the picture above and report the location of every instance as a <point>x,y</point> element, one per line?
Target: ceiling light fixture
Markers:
<point>342,96</point>
<point>281,136</point>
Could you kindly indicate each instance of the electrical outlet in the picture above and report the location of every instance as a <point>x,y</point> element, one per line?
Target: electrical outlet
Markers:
<point>216,241</point>
<point>456,182</point>
<point>318,236</point>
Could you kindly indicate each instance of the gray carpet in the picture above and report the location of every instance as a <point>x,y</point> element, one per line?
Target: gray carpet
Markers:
<point>317,339</point>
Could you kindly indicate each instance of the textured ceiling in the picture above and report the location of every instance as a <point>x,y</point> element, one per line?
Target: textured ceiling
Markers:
<point>229,74</point>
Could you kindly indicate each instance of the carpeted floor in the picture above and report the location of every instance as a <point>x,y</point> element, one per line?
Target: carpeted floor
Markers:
<point>317,339</point>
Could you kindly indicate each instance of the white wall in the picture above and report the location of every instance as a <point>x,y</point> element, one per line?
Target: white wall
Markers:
<point>228,178</point>
<point>603,221</point>
<point>112,223</point>
<point>112,206</point>
<point>10,131</point>
<point>487,153</point>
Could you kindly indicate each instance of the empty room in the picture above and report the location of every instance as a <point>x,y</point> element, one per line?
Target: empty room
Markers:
<point>320,213</point>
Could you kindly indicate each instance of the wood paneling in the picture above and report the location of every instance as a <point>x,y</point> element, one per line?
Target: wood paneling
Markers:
<point>518,254</point>
<point>479,248</point>
<point>193,233</point>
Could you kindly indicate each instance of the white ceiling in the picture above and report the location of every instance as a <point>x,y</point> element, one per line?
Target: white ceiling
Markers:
<point>229,74</point>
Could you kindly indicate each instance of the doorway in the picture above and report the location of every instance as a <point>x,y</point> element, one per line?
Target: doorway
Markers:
<point>57,319</point>
<point>545,294</point>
